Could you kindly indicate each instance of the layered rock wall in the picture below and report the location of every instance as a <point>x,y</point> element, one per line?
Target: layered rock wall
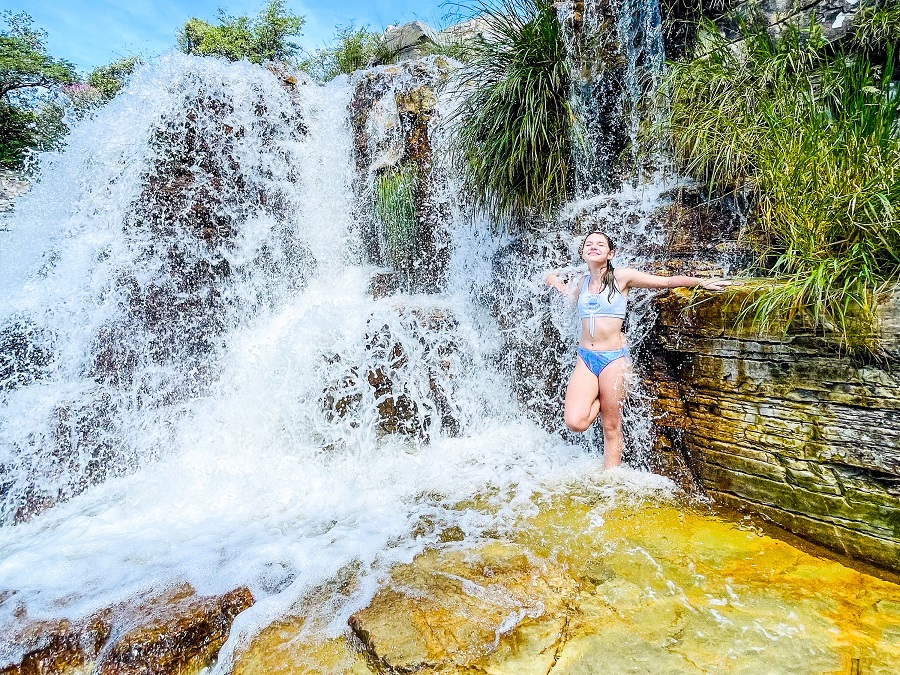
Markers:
<point>786,427</point>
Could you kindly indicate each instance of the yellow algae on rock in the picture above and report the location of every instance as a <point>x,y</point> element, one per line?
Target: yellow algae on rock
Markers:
<point>284,649</point>
<point>607,582</point>
<point>485,607</point>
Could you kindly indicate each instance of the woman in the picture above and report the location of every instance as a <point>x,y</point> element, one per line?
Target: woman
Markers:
<point>597,385</point>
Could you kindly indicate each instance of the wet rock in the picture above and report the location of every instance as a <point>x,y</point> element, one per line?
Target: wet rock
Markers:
<point>456,609</point>
<point>384,284</point>
<point>24,354</point>
<point>784,425</point>
<point>53,646</point>
<point>287,647</point>
<point>392,110</point>
<point>175,638</point>
<point>409,397</point>
<point>175,631</point>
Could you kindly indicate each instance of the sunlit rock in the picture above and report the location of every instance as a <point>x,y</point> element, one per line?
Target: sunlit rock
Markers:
<point>456,608</point>
<point>409,40</point>
<point>175,638</point>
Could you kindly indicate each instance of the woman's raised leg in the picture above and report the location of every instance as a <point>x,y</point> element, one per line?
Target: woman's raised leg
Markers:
<point>611,388</point>
<point>582,402</point>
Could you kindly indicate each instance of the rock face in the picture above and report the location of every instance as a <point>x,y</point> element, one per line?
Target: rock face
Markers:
<point>176,632</point>
<point>392,112</point>
<point>785,427</point>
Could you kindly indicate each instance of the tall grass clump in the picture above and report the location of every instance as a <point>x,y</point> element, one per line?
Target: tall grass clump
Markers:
<point>813,136</point>
<point>395,193</point>
<point>512,131</point>
<point>877,24</point>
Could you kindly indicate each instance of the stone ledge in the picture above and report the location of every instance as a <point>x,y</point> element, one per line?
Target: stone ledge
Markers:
<point>784,424</point>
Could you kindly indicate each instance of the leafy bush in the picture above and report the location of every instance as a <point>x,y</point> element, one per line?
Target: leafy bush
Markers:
<point>512,131</point>
<point>234,38</point>
<point>27,73</point>
<point>353,48</point>
<point>814,136</point>
<point>877,24</point>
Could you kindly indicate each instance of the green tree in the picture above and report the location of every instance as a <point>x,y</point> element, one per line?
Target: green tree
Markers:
<point>265,38</point>
<point>25,69</point>
<point>109,79</point>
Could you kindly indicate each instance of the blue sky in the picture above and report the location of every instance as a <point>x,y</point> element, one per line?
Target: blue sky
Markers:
<point>91,33</point>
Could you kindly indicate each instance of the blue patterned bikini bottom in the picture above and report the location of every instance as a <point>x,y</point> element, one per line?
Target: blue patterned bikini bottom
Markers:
<point>597,361</point>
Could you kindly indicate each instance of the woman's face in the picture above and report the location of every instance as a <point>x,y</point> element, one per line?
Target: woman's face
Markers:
<point>596,249</point>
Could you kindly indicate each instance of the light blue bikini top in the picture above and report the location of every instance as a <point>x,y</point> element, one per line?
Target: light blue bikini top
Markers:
<point>592,305</point>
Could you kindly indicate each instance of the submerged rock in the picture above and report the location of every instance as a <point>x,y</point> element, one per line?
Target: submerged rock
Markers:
<point>593,584</point>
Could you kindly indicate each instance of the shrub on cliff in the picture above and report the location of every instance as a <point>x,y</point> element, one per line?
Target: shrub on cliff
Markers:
<point>265,38</point>
<point>352,49</point>
<point>812,135</point>
<point>512,132</point>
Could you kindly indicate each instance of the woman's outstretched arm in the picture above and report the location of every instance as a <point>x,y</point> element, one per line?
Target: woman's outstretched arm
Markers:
<point>631,278</point>
<point>552,280</point>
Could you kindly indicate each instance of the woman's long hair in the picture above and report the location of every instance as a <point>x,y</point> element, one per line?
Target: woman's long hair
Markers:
<point>609,279</point>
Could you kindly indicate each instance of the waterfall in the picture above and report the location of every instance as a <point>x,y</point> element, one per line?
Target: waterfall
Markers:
<point>197,383</point>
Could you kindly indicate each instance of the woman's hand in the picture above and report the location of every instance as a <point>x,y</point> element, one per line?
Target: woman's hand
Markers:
<point>715,284</point>
<point>554,281</point>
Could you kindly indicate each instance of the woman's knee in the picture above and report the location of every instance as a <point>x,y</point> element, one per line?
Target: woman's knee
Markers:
<point>577,423</point>
<point>612,426</point>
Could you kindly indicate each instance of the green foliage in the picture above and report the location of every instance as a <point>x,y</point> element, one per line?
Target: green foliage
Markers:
<point>26,121</point>
<point>17,134</point>
<point>513,129</point>
<point>395,205</point>
<point>264,38</point>
<point>814,136</point>
<point>109,79</point>
<point>352,49</point>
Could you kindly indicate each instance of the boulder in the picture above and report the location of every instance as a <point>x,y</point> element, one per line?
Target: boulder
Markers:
<point>408,40</point>
<point>452,609</point>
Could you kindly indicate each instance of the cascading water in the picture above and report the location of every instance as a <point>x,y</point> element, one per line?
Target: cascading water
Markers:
<point>205,389</point>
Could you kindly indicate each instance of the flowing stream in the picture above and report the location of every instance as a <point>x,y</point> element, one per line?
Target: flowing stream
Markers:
<point>198,385</point>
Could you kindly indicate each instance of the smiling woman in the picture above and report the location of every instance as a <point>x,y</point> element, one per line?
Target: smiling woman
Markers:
<point>597,385</point>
